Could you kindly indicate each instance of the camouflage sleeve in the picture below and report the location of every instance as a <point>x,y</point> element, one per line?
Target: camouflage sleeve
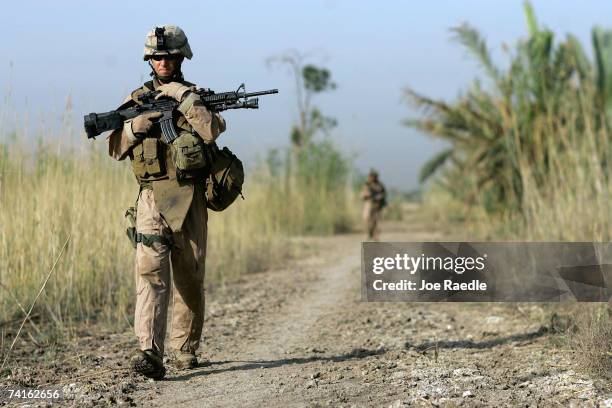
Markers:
<point>120,141</point>
<point>207,124</point>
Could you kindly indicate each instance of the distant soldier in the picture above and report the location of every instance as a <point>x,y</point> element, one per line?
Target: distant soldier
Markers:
<point>375,197</point>
<point>171,214</point>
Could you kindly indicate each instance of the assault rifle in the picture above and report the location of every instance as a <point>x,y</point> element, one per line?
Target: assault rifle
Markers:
<point>96,123</point>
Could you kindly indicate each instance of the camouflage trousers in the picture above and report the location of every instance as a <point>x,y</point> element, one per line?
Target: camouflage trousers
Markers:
<point>186,256</point>
<point>371,215</point>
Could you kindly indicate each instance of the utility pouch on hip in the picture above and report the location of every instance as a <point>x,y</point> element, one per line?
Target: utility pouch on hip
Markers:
<point>188,152</point>
<point>146,239</point>
<point>147,159</point>
<point>130,217</point>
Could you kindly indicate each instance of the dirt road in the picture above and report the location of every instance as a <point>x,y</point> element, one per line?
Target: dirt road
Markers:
<point>302,337</point>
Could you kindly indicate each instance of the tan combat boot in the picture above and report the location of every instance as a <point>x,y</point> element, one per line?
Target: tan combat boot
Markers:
<point>148,363</point>
<point>186,360</point>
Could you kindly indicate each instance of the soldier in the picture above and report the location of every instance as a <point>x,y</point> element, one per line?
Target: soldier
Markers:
<point>171,212</point>
<point>375,197</point>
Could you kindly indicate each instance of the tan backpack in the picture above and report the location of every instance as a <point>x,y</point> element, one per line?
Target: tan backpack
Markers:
<point>224,183</point>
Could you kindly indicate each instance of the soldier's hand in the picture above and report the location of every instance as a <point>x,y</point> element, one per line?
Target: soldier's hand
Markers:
<point>142,124</point>
<point>174,90</point>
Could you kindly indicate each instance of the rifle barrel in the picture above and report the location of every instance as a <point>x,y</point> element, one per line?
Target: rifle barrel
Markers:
<point>268,92</point>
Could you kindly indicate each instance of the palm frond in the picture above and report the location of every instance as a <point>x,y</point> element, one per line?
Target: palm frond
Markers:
<point>434,164</point>
<point>532,22</point>
<point>471,39</point>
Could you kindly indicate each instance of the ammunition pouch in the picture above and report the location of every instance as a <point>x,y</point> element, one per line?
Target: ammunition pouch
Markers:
<point>224,183</point>
<point>147,161</point>
<point>188,154</point>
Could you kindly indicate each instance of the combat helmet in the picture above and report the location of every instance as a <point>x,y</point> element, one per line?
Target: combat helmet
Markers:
<point>165,40</point>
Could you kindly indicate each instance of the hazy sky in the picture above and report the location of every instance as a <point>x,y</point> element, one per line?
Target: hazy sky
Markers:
<point>93,51</point>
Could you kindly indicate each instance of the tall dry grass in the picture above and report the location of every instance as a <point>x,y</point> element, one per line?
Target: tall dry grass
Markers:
<point>49,192</point>
<point>45,196</point>
<point>592,340</point>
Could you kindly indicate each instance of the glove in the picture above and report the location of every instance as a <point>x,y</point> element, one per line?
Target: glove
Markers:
<point>173,90</point>
<point>141,125</point>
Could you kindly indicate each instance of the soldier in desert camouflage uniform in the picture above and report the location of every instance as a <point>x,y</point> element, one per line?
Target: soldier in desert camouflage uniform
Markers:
<point>171,213</point>
<point>375,199</point>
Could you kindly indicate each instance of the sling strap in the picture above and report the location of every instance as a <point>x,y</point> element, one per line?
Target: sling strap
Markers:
<point>150,239</point>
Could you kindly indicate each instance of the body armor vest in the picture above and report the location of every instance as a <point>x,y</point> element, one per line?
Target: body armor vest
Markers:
<point>153,160</point>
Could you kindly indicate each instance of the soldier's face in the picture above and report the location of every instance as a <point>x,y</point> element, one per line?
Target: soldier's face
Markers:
<point>166,65</point>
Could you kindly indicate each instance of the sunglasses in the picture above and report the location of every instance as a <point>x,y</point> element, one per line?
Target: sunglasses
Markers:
<point>169,57</point>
